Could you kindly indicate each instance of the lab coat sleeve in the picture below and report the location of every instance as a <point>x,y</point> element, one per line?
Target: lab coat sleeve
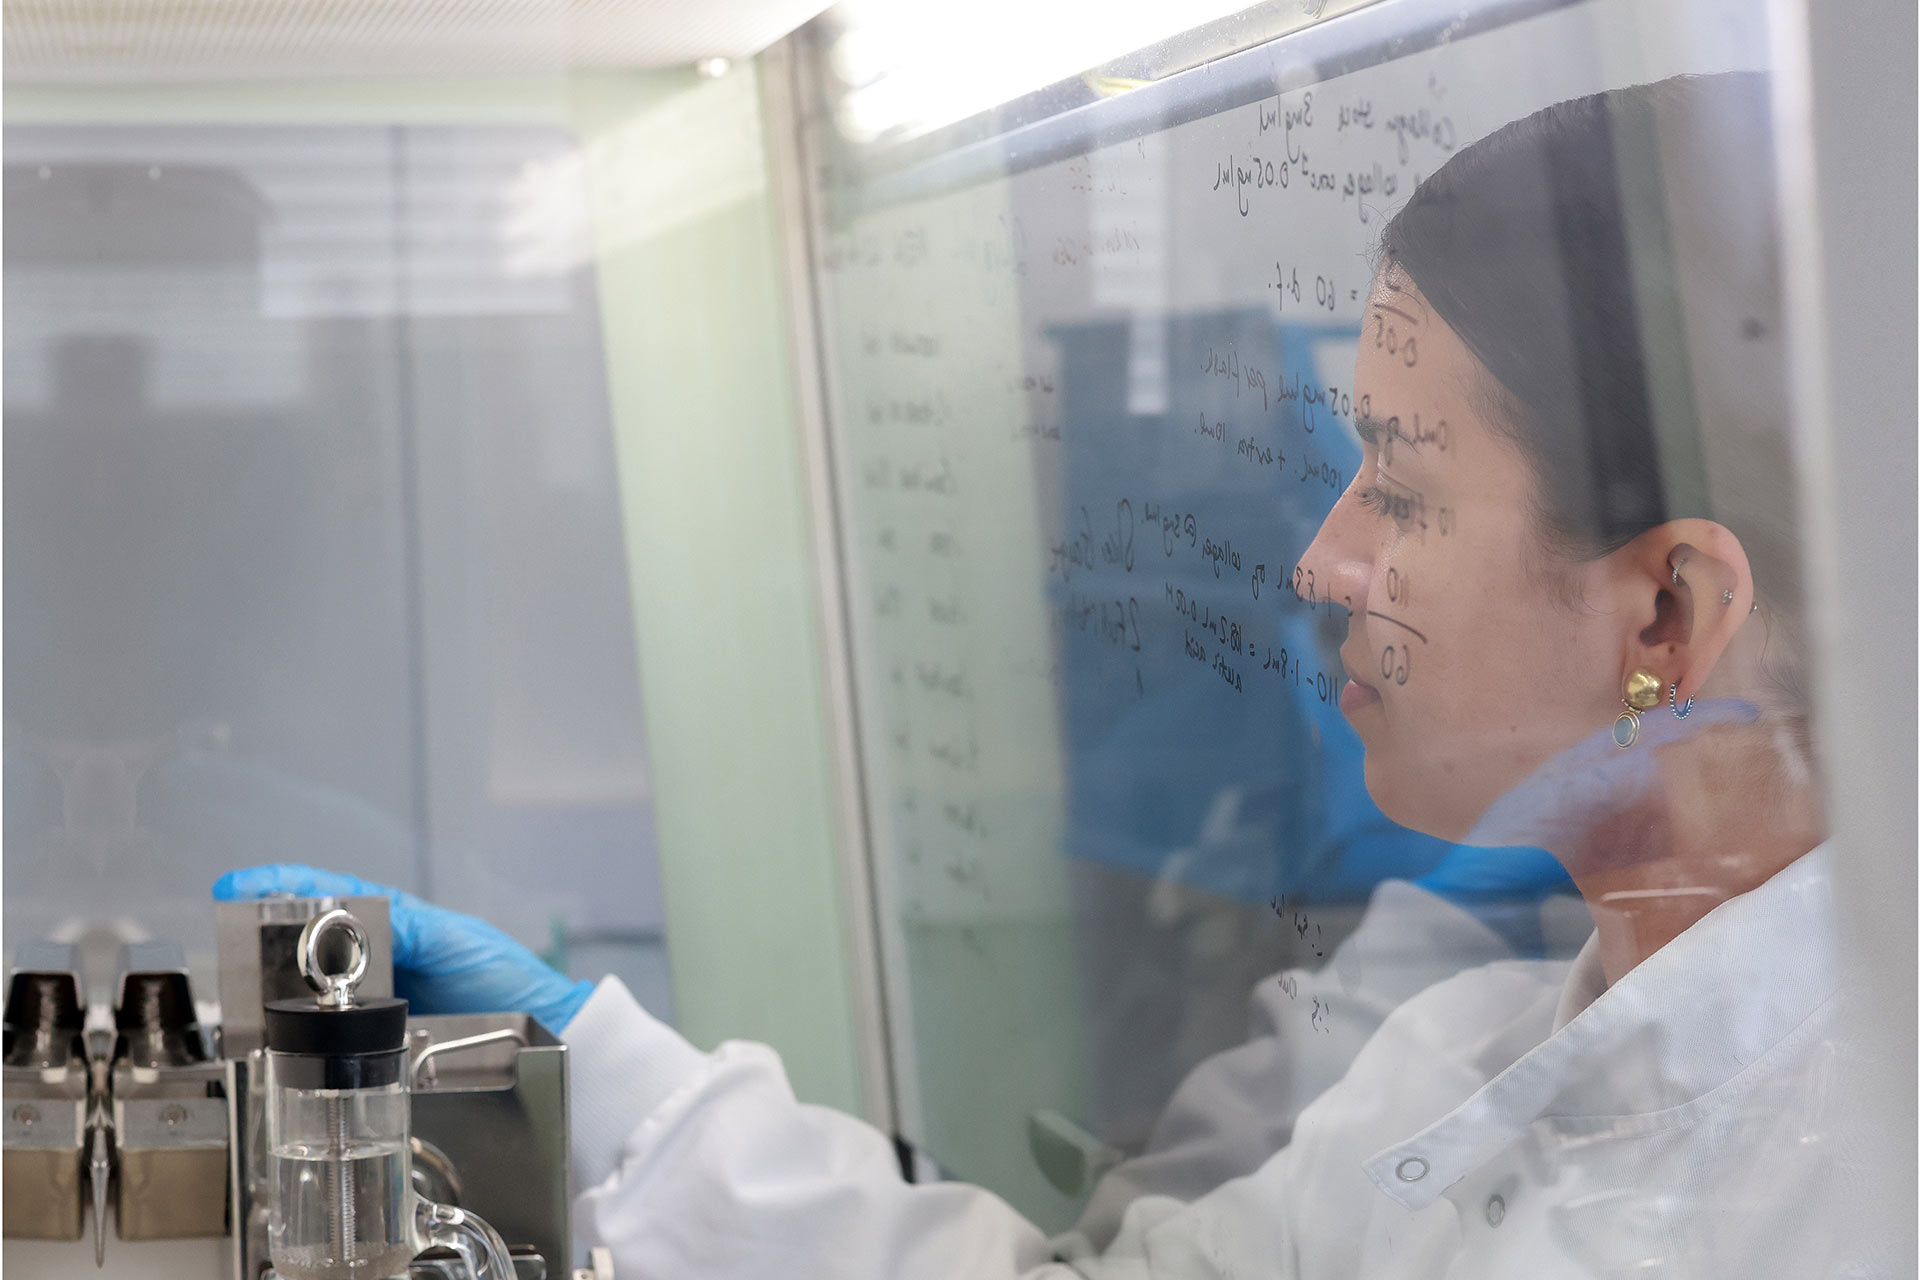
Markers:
<point>624,1063</point>
<point>705,1164</point>
<point>1235,1110</point>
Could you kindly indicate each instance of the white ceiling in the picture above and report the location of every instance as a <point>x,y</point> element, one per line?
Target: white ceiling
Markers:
<point>126,41</point>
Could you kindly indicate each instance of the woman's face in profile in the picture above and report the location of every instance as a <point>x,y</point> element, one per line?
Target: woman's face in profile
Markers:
<point>1474,653</point>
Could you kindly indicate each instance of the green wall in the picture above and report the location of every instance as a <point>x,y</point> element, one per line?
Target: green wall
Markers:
<point>713,487</point>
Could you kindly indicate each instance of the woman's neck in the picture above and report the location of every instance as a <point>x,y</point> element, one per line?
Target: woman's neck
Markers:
<point>1728,812</point>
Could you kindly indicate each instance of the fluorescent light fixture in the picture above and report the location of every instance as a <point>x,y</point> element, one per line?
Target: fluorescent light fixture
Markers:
<point>910,67</point>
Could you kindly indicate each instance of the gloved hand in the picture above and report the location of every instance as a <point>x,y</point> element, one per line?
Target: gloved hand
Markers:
<point>443,962</point>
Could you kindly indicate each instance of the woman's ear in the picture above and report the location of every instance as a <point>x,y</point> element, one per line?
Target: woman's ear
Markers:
<point>1702,593</point>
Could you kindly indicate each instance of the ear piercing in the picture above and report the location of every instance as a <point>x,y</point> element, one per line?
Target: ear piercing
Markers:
<point>1726,597</point>
<point>1642,694</point>
<point>1678,566</point>
<point>1679,712</point>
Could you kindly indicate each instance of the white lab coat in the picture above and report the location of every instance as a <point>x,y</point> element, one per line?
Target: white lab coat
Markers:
<point>1515,1119</point>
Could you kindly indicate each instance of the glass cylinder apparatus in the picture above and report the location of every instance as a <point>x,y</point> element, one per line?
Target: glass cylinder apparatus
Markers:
<point>342,1204</point>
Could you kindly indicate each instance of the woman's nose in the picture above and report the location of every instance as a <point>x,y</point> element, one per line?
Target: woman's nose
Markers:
<point>1338,563</point>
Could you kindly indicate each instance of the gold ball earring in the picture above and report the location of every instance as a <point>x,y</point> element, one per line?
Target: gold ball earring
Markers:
<point>1642,694</point>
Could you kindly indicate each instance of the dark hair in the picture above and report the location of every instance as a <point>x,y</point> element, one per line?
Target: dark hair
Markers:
<point>1612,262</point>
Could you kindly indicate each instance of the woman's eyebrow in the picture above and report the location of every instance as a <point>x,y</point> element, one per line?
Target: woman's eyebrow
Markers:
<point>1374,432</point>
<point>1379,435</point>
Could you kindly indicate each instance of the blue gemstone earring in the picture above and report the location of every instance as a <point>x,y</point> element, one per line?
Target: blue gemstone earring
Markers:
<point>1643,694</point>
<point>1673,700</point>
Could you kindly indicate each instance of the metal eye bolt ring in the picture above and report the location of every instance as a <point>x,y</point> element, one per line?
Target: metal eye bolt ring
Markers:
<point>336,989</point>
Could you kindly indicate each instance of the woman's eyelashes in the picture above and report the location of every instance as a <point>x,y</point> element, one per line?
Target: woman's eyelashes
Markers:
<point>1383,501</point>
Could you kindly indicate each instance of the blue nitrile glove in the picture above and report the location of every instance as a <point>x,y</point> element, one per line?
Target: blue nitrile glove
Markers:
<point>443,962</point>
<point>1469,871</point>
<point>1503,889</point>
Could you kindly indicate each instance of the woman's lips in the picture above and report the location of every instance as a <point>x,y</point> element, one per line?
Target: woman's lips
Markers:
<point>1354,695</point>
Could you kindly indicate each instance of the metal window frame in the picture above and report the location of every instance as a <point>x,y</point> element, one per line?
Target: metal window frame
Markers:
<point>1848,213</point>
<point>790,199</point>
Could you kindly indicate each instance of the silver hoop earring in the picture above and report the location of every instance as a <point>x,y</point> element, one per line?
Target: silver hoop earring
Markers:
<point>1681,564</point>
<point>1673,700</point>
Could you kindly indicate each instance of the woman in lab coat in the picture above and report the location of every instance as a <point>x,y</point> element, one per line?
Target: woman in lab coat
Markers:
<point>1607,666</point>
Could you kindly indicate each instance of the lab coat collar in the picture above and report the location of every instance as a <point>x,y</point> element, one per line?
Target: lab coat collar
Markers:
<point>1683,1022</point>
<point>1586,982</point>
